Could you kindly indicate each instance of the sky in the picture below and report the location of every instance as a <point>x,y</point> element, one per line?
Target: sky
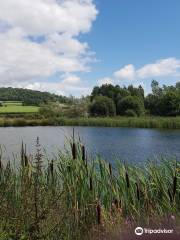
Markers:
<point>69,46</point>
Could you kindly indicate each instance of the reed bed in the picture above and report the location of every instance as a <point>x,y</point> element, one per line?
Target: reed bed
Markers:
<point>138,122</point>
<point>77,197</point>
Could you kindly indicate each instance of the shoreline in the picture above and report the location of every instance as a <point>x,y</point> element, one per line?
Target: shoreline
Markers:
<point>141,122</point>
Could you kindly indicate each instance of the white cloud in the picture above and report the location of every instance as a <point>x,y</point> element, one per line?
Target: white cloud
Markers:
<point>39,39</point>
<point>71,80</point>
<point>62,87</point>
<point>25,60</point>
<point>127,72</point>
<point>161,68</point>
<point>41,17</point>
<point>105,80</point>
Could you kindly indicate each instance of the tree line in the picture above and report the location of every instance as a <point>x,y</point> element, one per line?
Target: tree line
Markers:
<point>109,100</point>
<point>30,97</point>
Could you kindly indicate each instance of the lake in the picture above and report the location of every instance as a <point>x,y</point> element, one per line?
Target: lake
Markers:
<point>128,144</point>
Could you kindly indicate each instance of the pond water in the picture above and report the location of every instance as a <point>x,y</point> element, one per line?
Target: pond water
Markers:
<point>128,144</point>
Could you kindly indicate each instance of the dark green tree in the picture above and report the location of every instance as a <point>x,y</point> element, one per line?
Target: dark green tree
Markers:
<point>102,106</point>
<point>130,102</point>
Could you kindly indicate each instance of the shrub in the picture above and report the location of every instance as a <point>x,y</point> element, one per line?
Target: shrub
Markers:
<point>130,113</point>
<point>130,102</point>
<point>103,106</point>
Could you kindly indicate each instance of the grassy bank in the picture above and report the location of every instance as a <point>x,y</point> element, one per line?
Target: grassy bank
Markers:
<point>79,198</point>
<point>14,107</point>
<point>141,122</point>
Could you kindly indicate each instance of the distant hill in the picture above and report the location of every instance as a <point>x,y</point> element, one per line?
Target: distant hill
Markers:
<point>29,97</point>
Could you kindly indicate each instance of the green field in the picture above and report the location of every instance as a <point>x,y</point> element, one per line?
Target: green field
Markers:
<point>17,107</point>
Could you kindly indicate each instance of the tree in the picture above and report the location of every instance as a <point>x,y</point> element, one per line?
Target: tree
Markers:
<point>156,90</point>
<point>151,104</point>
<point>102,106</point>
<point>169,104</point>
<point>130,102</point>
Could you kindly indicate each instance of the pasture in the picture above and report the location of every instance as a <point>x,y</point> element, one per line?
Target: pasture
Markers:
<point>16,107</point>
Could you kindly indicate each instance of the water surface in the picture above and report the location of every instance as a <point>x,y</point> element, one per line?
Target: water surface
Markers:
<point>130,144</point>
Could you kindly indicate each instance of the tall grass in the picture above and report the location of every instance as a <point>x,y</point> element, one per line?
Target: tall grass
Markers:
<point>74,197</point>
<point>139,122</point>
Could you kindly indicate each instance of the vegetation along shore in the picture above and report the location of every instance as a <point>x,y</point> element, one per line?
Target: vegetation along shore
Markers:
<point>138,122</point>
<point>76,197</point>
<point>107,105</point>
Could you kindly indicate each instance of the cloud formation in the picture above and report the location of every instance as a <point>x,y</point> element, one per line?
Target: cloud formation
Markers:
<point>39,38</point>
<point>161,68</point>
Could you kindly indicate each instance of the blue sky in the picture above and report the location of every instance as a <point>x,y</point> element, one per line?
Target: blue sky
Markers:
<point>135,32</point>
<point>69,47</point>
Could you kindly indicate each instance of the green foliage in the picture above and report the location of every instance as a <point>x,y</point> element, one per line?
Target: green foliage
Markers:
<point>163,101</point>
<point>29,97</point>
<point>55,110</point>
<point>72,198</point>
<point>140,122</point>
<point>130,113</point>
<point>103,106</point>
<point>169,103</point>
<point>130,102</point>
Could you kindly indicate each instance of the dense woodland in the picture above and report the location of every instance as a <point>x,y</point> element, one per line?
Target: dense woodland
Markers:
<point>109,100</point>
<point>29,97</point>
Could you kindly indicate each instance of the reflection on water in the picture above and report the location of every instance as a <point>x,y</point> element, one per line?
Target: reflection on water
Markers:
<point>129,144</point>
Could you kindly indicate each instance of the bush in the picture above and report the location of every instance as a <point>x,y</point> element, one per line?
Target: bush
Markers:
<point>103,106</point>
<point>169,104</point>
<point>130,113</point>
<point>130,102</point>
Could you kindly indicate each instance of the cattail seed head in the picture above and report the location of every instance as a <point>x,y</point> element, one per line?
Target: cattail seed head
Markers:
<point>116,203</point>
<point>98,208</point>
<point>127,180</point>
<point>0,164</point>
<point>174,186</point>
<point>170,195</point>
<point>52,168</point>
<point>25,160</point>
<point>69,169</point>
<point>110,169</point>
<point>90,184</point>
<point>138,191</point>
<point>74,150</point>
<point>83,153</point>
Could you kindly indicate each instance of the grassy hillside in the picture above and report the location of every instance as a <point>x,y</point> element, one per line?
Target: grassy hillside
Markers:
<point>29,97</point>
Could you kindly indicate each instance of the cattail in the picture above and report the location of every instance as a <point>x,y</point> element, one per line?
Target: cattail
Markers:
<point>127,180</point>
<point>138,192</point>
<point>90,184</point>
<point>52,168</point>
<point>98,208</point>
<point>74,150</point>
<point>174,186</point>
<point>0,163</point>
<point>22,154</point>
<point>83,153</point>
<point>170,195</point>
<point>69,169</point>
<point>110,169</point>
<point>116,203</point>
<point>25,160</point>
